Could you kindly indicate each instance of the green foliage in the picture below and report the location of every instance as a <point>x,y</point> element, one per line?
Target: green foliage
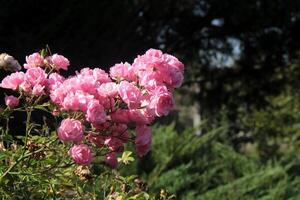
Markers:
<point>44,171</point>
<point>221,165</point>
<point>37,166</point>
<point>276,128</point>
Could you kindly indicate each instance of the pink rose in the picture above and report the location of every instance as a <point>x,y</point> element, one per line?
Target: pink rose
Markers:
<point>151,60</point>
<point>13,81</point>
<point>102,127</point>
<point>71,84</point>
<point>98,140</point>
<point>121,132</point>
<point>140,116</point>
<point>70,130</point>
<point>130,94</point>
<point>172,76</point>
<point>11,101</point>
<point>97,74</point>
<point>38,90</point>
<point>106,101</point>
<point>26,87</point>
<point>108,89</point>
<point>81,154</point>
<point>111,160</point>
<point>85,72</point>
<point>86,83</point>
<point>57,95</point>
<point>35,76</point>
<point>114,144</point>
<point>34,60</point>
<point>95,113</point>
<point>151,80</point>
<point>122,71</point>
<point>120,116</point>
<point>173,62</point>
<point>155,53</point>
<point>77,101</point>
<point>59,62</point>
<point>100,76</point>
<point>70,100</point>
<point>168,67</point>
<point>54,81</point>
<point>161,102</point>
<point>142,140</point>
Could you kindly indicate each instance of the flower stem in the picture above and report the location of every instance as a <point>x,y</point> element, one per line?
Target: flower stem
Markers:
<point>28,113</point>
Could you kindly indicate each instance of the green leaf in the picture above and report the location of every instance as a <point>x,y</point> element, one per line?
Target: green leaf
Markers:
<point>7,138</point>
<point>140,196</point>
<point>43,107</point>
<point>5,154</point>
<point>126,157</point>
<point>43,53</point>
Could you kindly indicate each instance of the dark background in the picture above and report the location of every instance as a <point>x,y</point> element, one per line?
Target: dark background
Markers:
<point>236,51</point>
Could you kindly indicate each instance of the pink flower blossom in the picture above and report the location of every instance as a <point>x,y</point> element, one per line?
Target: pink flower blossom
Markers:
<point>70,130</point>
<point>111,160</point>
<point>25,87</point>
<point>151,60</point>
<point>38,90</point>
<point>87,84</point>
<point>95,113</point>
<point>129,97</point>
<point>59,62</point>
<point>102,127</point>
<point>98,140</point>
<point>57,95</point>
<point>130,94</point>
<point>154,67</point>
<point>142,140</point>
<point>172,76</point>
<point>161,102</point>
<point>85,72</point>
<point>81,154</point>
<point>54,81</point>
<point>97,74</point>
<point>11,101</point>
<point>151,80</point>
<point>120,131</point>
<point>36,76</point>
<point>114,144</point>
<point>120,116</point>
<point>101,76</point>
<point>34,60</point>
<point>77,101</point>
<point>173,61</point>
<point>140,116</point>
<point>122,71</point>
<point>154,53</point>
<point>106,101</point>
<point>13,81</point>
<point>108,89</point>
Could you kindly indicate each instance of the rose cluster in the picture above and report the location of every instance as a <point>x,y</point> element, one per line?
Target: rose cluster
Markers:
<point>104,110</point>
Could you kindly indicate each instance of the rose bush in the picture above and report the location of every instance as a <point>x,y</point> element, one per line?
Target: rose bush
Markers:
<point>95,113</point>
<point>130,96</point>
